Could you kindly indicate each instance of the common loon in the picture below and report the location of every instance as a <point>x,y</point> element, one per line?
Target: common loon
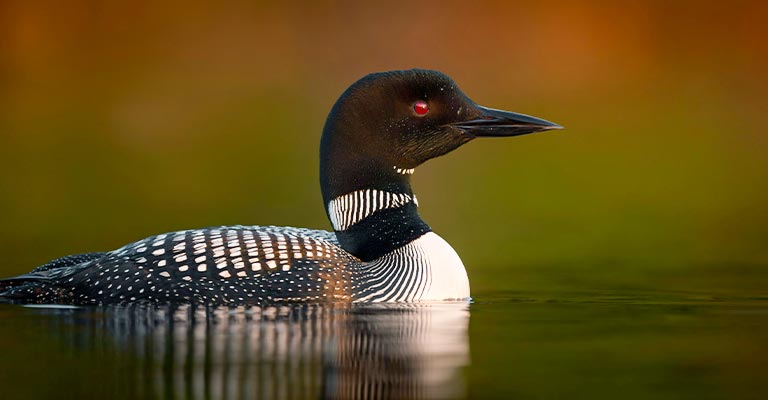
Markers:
<point>379,130</point>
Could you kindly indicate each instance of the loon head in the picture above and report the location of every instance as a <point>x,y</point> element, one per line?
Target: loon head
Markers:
<point>388,123</point>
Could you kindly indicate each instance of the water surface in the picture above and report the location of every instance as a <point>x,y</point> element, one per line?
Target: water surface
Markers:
<point>639,345</point>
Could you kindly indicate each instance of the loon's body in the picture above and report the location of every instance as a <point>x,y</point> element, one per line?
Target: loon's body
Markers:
<point>378,131</point>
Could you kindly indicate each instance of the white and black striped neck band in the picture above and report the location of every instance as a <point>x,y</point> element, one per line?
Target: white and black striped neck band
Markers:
<point>352,208</point>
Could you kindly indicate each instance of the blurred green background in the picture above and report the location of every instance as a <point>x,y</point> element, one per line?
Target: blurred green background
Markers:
<point>118,121</point>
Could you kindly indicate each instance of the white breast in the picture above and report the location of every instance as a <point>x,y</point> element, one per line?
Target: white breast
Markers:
<point>426,269</point>
<point>448,276</point>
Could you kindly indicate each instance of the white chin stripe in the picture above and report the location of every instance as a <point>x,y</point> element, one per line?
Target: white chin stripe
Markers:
<point>352,208</point>
<point>404,171</point>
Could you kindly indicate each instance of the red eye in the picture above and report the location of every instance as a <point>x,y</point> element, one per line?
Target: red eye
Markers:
<point>421,107</point>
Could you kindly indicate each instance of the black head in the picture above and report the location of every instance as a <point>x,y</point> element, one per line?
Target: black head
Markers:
<point>388,123</point>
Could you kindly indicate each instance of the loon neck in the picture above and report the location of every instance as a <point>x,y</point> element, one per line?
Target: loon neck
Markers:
<point>370,223</point>
<point>367,197</point>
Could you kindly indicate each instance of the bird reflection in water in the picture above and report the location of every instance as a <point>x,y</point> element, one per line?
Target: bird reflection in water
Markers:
<point>285,352</point>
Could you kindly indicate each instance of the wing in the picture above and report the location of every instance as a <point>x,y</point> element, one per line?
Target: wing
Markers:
<point>224,265</point>
<point>37,285</point>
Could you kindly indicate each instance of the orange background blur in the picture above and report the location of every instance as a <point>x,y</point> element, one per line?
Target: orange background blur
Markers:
<point>118,121</point>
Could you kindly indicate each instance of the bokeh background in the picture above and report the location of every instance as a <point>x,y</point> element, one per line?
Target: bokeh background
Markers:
<point>119,120</point>
<point>122,120</point>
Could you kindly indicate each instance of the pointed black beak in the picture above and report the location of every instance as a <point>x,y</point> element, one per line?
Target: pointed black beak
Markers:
<point>499,123</point>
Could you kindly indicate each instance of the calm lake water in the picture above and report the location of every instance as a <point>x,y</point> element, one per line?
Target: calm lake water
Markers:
<point>642,345</point>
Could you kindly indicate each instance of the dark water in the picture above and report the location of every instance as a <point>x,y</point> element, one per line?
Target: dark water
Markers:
<point>651,345</point>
